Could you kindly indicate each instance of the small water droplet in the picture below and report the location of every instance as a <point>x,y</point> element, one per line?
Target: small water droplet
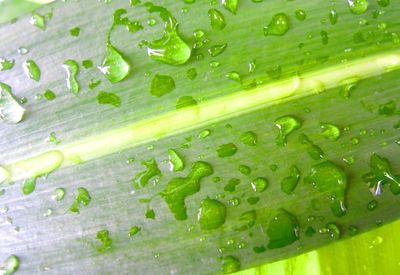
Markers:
<point>217,49</point>
<point>300,15</point>
<point>330,131</point>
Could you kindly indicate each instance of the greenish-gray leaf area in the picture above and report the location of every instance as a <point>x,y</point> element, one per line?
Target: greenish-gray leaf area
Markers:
<point>190,137</point>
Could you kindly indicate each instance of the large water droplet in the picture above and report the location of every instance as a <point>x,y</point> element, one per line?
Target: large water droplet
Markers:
<point>286,125</point>
<point>358,6</point>
<point>143,178</point>
<point>211,214</point>
<point>330,131</point>
<point>82,198</point>
<point>179,188</point>
<point>72,69</point>
<point>10,110</point>
<point>114,66</point>
<point>161,85</point>
<point>217,19</point>
<point>31,69</point>
<point>282,230</point>
<point>289,183</point>
<point>6,64</point>
<point>230,264</point>
<point>108,98</point>
<point>170,48</point>
<point>326,177</point>
<point>279,25</point>
<point>231,5</point>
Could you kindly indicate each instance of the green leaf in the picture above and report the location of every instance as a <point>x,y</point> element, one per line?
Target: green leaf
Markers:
<point>272,92</point>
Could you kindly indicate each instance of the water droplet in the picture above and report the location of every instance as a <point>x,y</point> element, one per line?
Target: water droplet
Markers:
<point>6,64</point>
<point>10,265</point>
<point>310,231</point>
<point>358,6</point>
<point>38,20</point>
<point>259,184</point>
<point>150,214</point>
<point>330,131</point>
<point>87,63</point>
<point>383,3</point>
<point>235,76</point>
<point>286,125</point>
<point>170,48</point>
<point>282,230</point>
<point>333,230</point>
<point>353,230</point>
<point>217,49</point>
<point>278,26</point>
<point>72,69</point>
<point>372,205</point>
<point>175,161</point>
<point>143,178</point>
<point>230,5</point>
<point>289,183</point>
<point>49,95</point>
<point>10,110</point>
<point>326,177</point>
<point>131,26</point>
<point>252,66</point>
<point>161,85</point>
<point>324,37</point>
<point>104,97</point>
<point>75,31</point>
<point>29,186</point>
<point>300,15</point>
<point>388,108</point>
<point>249,138</point>
<point>253,200</point>
<point>53,138</point>
<point>179,188</point>
<point>134,230</point>
<point>31,70</point>
<point>114,67</point>
<point>185,101</point>
<point>349,85</point>
<point>381,174</point>
<point>349,160</point>
<point>215,64</point>
<point>58,194</point>
<point>211,214</point>
<point>355,140</point>
<point>94,83</point>
<point>273,167</point>
<point>217,19</point>
<point>204,133</point>
<point>313,150</point>
<point>333,16</point>
<point>234,201</point>
<point>230,264</point>
<point>22,51</point>
<point>82,198</point>
<point>231,186</point>
<point>104,237</point>
<point>191,73</point>
<point>226,150</point>
<point>244,169</point>
<point>198,33</point>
